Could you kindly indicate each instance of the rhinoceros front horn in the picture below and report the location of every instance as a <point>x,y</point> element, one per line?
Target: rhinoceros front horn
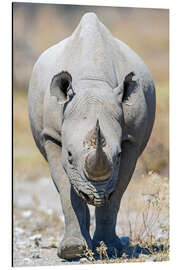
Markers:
<point>97,165</point>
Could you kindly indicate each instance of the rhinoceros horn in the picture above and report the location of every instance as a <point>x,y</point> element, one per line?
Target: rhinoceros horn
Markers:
<point>97,166</point>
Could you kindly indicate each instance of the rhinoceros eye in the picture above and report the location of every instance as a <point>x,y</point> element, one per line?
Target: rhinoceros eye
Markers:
<point>70,158</point>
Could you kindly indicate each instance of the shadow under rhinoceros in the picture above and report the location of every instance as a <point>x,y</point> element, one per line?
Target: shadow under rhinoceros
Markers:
<point>129,250</point>
<point>126,249</point>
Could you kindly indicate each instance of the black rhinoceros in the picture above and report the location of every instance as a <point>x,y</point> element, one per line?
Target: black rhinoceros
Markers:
<point>91,109</point>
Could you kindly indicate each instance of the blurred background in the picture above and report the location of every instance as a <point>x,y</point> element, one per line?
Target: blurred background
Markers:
<point>36,27</point>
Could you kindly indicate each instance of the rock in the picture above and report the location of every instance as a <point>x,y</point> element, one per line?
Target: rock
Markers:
<point>27,260</point>
<point>51,239</point>
<point>27,214</point>
<point>82,260</point>
<point>151,258</point>
<point>18,230</point>
<point>36,256</point>
<point>22,244</point>
<point>49,245</point>
<point>144,256</point>
<point>36,237</point>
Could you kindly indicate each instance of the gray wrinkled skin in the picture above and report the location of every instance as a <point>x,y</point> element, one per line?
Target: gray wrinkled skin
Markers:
<point>110,86</point>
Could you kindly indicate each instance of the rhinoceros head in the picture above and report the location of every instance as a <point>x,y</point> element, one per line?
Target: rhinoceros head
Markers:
<point>92,130</point>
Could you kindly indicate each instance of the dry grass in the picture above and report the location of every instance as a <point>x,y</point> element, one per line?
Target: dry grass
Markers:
<point>144,218</point>
<point>153,252</point>
<point>156,155</point>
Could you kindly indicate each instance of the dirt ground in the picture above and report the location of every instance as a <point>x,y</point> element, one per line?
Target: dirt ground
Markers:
<point>39,221</point>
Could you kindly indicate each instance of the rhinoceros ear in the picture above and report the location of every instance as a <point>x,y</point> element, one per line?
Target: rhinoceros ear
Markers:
<point>61,87</point>
<point>124,90</point>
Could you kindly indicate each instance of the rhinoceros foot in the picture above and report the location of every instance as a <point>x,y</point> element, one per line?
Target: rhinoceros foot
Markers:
<point>71,248</point>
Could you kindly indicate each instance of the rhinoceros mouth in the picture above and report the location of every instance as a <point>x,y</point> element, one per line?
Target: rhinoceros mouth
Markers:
<point>96,194</point>
<point>95,201</point>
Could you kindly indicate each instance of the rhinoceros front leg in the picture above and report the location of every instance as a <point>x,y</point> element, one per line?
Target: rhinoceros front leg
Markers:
<point>76,213</point>
<point>106,216</point>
